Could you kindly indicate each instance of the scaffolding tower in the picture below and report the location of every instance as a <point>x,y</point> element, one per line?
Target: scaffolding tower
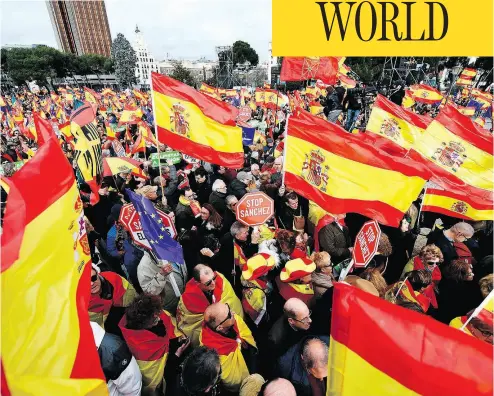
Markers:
<point>224,71</point>
<point>409,69</point>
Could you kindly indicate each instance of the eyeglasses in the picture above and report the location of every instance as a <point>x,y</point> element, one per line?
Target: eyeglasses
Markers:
<point>432,262</point>
<point>228,317</point>
<point>304,320</point>
<point>208,283</point>
<point>191,196</point>
<point>94,278</point>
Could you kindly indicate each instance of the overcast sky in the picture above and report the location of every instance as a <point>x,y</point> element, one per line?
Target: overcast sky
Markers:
<point>185,29</point>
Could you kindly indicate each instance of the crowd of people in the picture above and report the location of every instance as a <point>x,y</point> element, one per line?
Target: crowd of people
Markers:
<point>253,311</point>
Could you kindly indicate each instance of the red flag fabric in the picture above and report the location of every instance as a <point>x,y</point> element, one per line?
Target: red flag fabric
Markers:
<point>299,69</point>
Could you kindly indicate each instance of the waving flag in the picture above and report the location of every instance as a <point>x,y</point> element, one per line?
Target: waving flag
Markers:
<point>466,206</point>
<point>87,144</point>
<point>165,247</point>
<point>196,124</point>
<point>411,353</point>
<point>210,91</point>
<point>397,128</point>
<point>299,69</point>
<point>91,96</point>
<point>342,174</point>
<point>459,147</point>
<point>47,343</point>
<point>130,115</point>
<point>425,94</point>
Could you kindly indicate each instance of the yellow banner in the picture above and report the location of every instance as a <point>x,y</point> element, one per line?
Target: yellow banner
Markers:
<point>456,205</point>
<point>383,28</point>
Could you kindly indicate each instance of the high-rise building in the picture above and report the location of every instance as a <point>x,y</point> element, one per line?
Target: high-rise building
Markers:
<point>145,61</point>
<point>81,27</point>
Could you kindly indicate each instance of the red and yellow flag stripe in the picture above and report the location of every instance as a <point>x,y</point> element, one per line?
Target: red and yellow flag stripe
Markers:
<point>343,174</point>
<point>425,94</point>
<point>196,124</point>
<point>399,127</point>
<point>47,342</point>
<point>412,354</point>
<point>456,144</point>
<point>463,206</point>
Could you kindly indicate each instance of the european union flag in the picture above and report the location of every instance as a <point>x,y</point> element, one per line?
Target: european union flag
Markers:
<point>248,135</point>
<point>164,247</point>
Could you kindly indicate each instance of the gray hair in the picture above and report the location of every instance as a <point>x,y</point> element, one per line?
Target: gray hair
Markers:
<point>218,183</point>
<point>236,228</point>
<point>464,228</point>
<point>314,353</point>
<point>157,181</point>
<point>229,199</point>
<point>254,166</point>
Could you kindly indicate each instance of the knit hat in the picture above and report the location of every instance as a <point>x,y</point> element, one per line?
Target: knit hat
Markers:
<point>257,266</point>
<point>296,269</point>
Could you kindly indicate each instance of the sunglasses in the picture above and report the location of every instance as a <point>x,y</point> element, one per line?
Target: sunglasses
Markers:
<point>432,262</point>
<point>228,317</point>
<point>94,278</point>
<point>208,283</point>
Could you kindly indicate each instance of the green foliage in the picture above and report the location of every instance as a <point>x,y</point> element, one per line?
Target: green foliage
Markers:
<point>369,69</point>
<point>41,62</point>
<point>180,73</point>
<point>243,52</point>
<point>125,59</point>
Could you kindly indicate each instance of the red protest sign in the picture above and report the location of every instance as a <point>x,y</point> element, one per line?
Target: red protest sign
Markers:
<point>244,113</point>
<point>254,209</point>
<point>366,244</point>
<point>129,218</point>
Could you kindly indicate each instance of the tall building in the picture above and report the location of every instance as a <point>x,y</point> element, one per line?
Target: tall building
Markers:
<point>81,27</point>
<point>145,61</point>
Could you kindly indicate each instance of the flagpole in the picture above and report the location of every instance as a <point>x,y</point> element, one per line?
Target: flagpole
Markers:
<point>478,309</point>
<point>284,150</point>
<point>157,136</point>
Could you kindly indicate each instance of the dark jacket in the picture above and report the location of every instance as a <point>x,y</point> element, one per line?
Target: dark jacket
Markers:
<point>282,336</point>
<point>438,238</point>
<point>335,241</point>
<point>456,299</point>
<point>184,219</point>
<point>203,191</point>
<point>290,367</point>
<point>237,188</point>
<point>217,199</point>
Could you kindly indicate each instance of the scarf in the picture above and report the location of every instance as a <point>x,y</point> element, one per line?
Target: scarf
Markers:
<point>184,201</point>
<point>436,277</point>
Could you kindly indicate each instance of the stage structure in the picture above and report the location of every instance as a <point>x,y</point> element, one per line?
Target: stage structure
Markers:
<point>224,72</point>
<point>409,69</point>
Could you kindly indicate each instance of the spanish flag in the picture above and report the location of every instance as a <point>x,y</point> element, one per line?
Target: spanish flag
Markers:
<point>193,303</point>
<point>312,92</point>
<point>139,145</point>
<point>342,174</point>
<point>458,204</point>
<point>468,73</point>
<point>425,94</point>
<point>110,132</point>
<point>108,92</point>
<point>139,95</point>
<point>397,127</point>
<point>408,100</point>
<point>260,96</point>
<point>130,115</point>
<point>468,111</point>
<point>316,109</point>
<point>150,350</point>
<point>464,81</point>
<point>146,133</point>
<point>231,93</point>
<point>346,81</point>
<point>196,124</point>
<point>409,353</point>
<point>233,367</point>
<point>483,315</point>
<point>87,144</point>
<point>299,69</point>
<point>272,99</point>
<point>209,90</point>
<point>91,96</point>
<point>47,343</point>
<point>123,294</point>
<point>456,145</point>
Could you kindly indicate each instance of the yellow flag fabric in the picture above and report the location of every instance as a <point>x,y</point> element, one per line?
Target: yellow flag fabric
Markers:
<point>47,343</point>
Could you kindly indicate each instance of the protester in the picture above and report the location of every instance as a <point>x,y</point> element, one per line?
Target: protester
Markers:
<point>205,288</point>
<point>335,239</point>
<point>227,333</point>
<point>218,195</point>
<point>445,239</point>
<point>322,278</point>
<point>295,280</point>
<point>278,387</point>
<point>107,290</point>
<point>120,368</point>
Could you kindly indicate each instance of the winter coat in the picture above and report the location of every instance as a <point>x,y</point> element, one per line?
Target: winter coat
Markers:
<point>184,219</point>
<point>237,188</point>
<point>438,238</point>
<point>203,191</point>
<point>153,282</point>
<point>217,199</point>
<point>335,241</point>
<point>290,367</point>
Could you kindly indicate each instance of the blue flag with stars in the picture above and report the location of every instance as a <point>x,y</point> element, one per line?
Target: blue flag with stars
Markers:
<point>164,246</point>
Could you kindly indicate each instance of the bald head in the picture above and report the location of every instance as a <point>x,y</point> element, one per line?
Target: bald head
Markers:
<point>279,387</point>
<point>214,313</point>
<point>315,357</point>
<point>297,313</point>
